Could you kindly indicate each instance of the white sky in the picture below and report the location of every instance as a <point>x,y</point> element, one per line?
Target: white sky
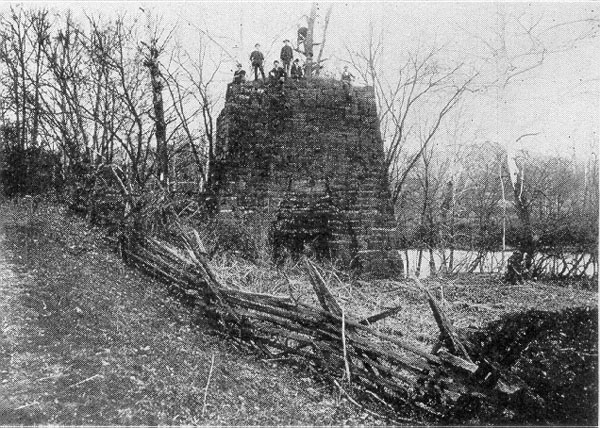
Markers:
<point>558,100</point>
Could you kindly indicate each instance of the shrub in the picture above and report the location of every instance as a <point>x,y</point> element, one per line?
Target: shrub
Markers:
<point>29,171</point>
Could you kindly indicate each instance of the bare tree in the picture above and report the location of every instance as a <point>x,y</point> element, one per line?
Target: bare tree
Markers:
<point>417,99</point>
<point>38,38</point>
<point>16,54</point>
<point>309,41</point>
<point>308,44</point>
<point>323,39</point>
<point>190,85</point>
<point>152,51</point>
<point>427,223</point>
<point>519,44</point>
<point>66,90</point>
<point>135,131</point>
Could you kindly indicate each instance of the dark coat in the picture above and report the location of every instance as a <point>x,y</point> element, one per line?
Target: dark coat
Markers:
<point>296,71</point>
<point>347,76</point>
<point>239,76</point>
<point>257,58</point>
<point>302,33</point>
<point>276,74</point>
<point>287,54</point>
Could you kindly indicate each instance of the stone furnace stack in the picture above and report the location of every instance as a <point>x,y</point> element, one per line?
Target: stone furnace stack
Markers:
<point>309,157</point>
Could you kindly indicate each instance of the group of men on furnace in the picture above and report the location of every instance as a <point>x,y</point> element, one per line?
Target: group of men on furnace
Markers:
<point>279,72</point>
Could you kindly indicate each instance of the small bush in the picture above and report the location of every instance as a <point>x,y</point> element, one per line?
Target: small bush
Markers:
<point>29,171</point>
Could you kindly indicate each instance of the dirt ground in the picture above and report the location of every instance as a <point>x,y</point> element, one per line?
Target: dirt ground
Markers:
<point>87,340</point>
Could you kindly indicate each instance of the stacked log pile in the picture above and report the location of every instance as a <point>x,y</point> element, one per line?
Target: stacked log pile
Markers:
<point>347,350</point>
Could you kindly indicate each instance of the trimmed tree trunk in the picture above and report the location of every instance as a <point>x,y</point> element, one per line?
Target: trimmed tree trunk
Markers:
<point>309,41</point>
<point>159,116</point>
<point>527,242</point>
<point>325,25</point>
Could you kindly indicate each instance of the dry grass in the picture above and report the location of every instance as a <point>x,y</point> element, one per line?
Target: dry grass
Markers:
<point>471,301</point>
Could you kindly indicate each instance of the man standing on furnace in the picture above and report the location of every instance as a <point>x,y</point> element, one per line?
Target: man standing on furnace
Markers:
<point>287,54</point>
<point>257,58</point>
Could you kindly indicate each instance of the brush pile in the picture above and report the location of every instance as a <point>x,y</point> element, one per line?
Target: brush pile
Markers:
<point>347,350</point>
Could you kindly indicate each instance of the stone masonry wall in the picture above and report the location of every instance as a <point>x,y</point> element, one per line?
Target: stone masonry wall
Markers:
<point>310,156</point>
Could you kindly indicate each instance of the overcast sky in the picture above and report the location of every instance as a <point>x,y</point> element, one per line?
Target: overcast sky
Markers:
<point>558,101</point>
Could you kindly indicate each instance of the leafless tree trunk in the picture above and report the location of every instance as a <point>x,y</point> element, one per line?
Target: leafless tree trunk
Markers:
<point>15,54</point>
<point>194,82</point>
<point>419,260</point>
<point>309,41</point>
<point>522,206</point>
<point>323,39</point>
<point>152,63</point>
<point>38,38</point>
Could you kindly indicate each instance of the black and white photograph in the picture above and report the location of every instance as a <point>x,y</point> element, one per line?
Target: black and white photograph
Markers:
<point>299,213</point>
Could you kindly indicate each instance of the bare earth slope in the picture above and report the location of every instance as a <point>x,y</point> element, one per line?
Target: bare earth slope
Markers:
<point>87,340</point>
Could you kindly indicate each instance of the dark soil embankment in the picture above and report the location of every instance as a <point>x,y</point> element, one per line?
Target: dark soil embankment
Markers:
<point>556,354</point>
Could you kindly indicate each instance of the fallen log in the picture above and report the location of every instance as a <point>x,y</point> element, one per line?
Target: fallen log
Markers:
<point>447,333</point>
<point>325,297</point>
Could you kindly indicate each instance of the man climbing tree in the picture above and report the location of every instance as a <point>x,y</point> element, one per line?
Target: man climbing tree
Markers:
<point>302,33</point>
<point>306,39</point>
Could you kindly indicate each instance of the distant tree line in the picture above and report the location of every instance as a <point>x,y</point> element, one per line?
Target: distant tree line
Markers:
<point>100,109</point>
<point>465,201</point>
<point>472,196</point>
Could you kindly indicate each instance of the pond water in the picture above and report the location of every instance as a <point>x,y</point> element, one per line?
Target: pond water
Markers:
<point>493,262</point>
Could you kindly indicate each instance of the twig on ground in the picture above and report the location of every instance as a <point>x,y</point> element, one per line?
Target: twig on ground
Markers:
<point>212,363</point>
<point>274,359</point>
<point>50,377</point>
<point>26,405</point>
<point>474,305</point>
<point>379,399</point>
<point>97,375</point>
<point>346,364</point>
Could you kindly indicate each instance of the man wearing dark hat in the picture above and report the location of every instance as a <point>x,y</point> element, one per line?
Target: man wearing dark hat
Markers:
<point>287,54</point>
<point>276,75</point>
<point>257,58</point>
<point>296,71</point>
<point>347,77</point>
<point>239,76</point>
